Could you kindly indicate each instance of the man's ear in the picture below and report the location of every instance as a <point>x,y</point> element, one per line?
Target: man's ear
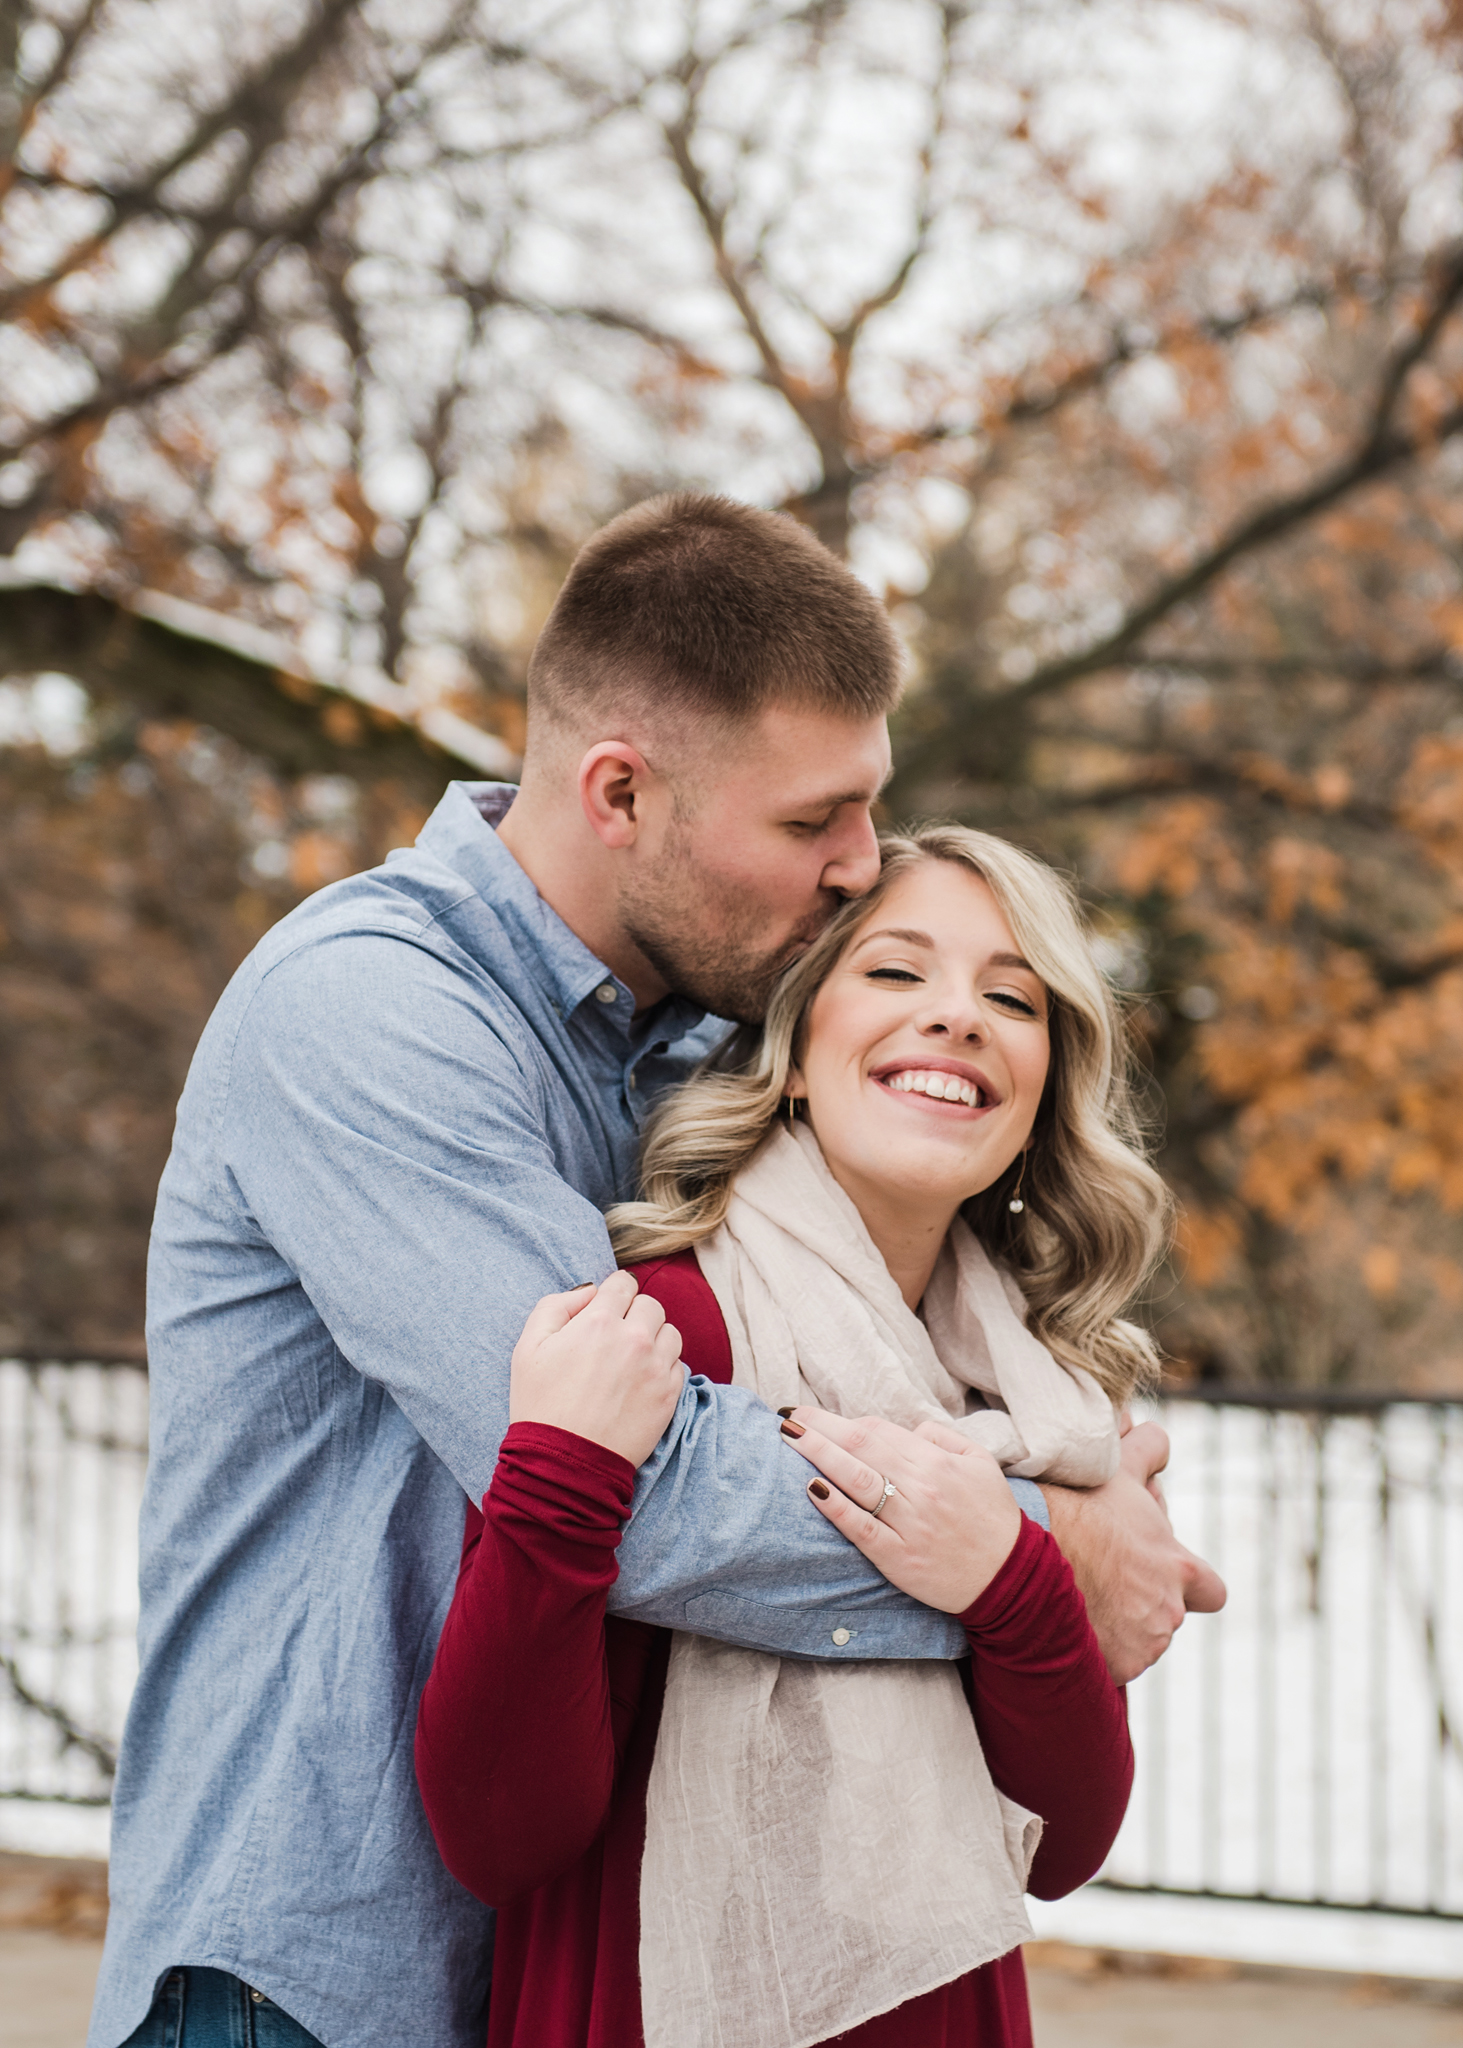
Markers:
<point>612,783</point>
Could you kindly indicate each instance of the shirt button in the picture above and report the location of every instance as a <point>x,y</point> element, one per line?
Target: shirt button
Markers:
<point>606,992</point>
<point>840,1636</point>
<point>631,1082</point>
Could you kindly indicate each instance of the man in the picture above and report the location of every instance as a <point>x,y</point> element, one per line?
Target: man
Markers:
<point>400,1129</point>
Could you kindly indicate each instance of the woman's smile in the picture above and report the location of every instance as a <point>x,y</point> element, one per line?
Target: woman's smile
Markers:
<point>939,1084</point>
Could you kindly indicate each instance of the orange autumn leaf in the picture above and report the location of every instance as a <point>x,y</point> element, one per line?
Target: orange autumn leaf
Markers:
<point>1207,1241</point>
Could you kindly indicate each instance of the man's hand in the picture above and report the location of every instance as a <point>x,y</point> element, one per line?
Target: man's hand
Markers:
<point>601,1362</point>
<point>1136,1577</point>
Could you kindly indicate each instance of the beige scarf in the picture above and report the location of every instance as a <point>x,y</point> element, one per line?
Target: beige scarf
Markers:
<point>823,1840</point>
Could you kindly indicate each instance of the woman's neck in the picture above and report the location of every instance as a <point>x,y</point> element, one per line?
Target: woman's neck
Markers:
<point>908,1236</point>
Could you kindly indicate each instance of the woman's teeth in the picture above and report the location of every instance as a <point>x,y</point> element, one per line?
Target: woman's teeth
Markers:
<point>943,1087</point>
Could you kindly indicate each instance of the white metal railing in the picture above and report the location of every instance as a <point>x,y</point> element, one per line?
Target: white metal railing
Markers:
<point>1305,1745</point>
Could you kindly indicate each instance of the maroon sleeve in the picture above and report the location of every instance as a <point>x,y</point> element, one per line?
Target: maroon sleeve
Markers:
<point>684,1292</point>
<point>515,1747</point>
<point>520,1727</point>
<point>1053,1725</point>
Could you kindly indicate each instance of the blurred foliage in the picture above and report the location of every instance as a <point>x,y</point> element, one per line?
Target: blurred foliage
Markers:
<point>1122,346</point>
<point>130,889</point>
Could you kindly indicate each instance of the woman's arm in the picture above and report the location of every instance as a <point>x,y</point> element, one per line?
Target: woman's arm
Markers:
<point>1053,1725</point>
<point>516,1735</point>
<point>515,1749</point>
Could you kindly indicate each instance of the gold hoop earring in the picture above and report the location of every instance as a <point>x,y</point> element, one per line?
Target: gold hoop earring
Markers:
<point>792,1110</point>
<point>1016,1205</point>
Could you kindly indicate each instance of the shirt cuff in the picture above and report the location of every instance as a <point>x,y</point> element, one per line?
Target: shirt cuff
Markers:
<point>1031,1501</point>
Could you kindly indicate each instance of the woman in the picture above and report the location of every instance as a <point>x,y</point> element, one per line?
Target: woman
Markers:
<point>697,1844</point>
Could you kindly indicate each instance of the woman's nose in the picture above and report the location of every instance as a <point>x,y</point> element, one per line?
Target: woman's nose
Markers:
<point>957,1023</point>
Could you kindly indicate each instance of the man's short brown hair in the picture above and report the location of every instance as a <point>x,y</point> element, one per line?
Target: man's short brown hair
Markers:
<point>701,607</point>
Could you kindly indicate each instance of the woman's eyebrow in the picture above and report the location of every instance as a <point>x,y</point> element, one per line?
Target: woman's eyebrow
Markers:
<point>910,937</point>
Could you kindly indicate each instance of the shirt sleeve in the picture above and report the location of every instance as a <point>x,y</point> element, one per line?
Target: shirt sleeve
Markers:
<point>401,1168</point>
<point>1053,1726</point>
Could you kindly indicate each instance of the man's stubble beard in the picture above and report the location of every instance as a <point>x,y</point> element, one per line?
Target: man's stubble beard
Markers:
<point>703,941</point>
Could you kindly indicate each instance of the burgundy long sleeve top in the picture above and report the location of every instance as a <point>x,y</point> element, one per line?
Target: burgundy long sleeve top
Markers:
<point>538,1725</point>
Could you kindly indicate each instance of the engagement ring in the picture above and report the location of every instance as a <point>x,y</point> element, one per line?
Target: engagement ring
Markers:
<point>890,1489</point>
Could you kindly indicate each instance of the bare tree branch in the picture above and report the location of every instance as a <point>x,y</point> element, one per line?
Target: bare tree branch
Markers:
<point>72,1734</point>
<point>302,727</point>
<point>486,294</point>
<point>845,336</point>
<point>820,411</point>
<point>1385,206</point>
<point>1385,447</point>
<point>15,125</point>
<point>1431,665</point>
<point>678,137</point>
<point>1167,771</point>
<point>146,373</point>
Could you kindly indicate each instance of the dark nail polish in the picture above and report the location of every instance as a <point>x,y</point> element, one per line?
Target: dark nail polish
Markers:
<point>817,1489</point>
<point>793,1429</point>
<point>784,1411</point>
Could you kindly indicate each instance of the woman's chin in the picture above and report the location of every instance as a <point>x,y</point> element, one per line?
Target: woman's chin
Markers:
<point>925,1179</point>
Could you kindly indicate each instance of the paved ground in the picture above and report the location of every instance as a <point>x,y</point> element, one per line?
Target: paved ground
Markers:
<point>46,1984</point>
<point>1083,1999</point>
<point>52,1912</point>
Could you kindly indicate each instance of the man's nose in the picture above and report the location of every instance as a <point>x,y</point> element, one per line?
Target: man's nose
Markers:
<point>854,868</point>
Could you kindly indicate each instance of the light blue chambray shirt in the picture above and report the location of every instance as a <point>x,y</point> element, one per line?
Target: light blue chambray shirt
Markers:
<point>399,1131</point>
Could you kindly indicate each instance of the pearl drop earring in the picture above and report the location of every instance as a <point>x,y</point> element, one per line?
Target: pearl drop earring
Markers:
<point>1016,1205</point>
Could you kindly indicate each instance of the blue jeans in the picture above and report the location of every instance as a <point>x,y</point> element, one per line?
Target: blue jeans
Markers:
<point>210,2009</point>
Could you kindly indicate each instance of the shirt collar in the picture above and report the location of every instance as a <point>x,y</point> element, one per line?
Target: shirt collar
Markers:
<point>462,833</point>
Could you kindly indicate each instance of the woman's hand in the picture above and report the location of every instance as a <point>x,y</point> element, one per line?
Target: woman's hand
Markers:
<point>601,1362</point>
<point>951,1521</point>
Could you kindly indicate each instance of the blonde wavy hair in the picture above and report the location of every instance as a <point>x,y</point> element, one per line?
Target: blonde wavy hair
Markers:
<point>1096,1217</point>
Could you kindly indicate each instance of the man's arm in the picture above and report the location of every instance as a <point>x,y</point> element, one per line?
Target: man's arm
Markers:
<point>391,1147</point>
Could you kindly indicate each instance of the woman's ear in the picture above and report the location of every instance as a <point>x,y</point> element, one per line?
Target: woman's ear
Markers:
<point>795,1085</point>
